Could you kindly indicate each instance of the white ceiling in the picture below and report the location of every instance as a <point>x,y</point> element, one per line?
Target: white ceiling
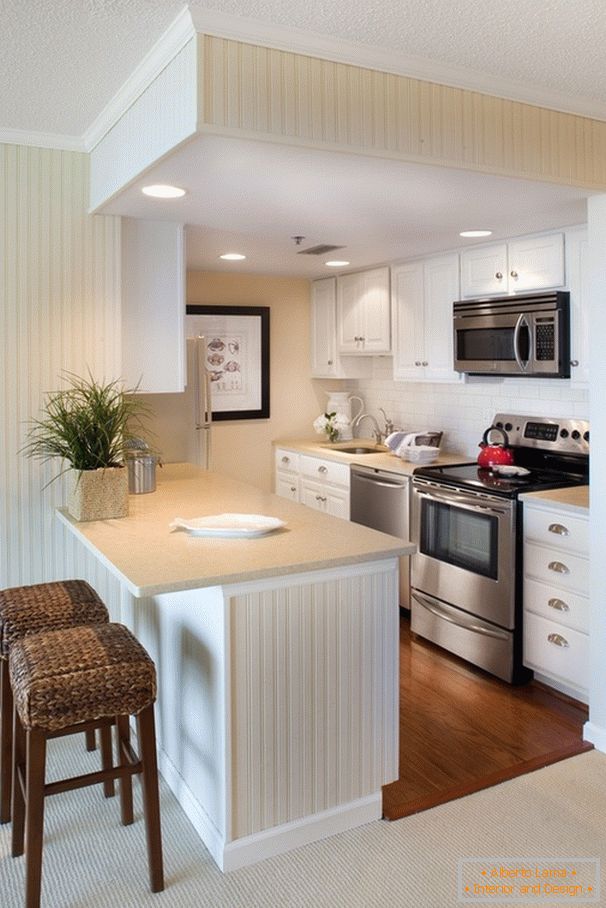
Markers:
<point>62,63</point>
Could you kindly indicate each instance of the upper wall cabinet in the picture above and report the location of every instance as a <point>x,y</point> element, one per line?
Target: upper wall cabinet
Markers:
<point>528,263</point>
<point>326,362</point>
<point>422,295</point>
<point>153,305</point>
<point>363,313</point>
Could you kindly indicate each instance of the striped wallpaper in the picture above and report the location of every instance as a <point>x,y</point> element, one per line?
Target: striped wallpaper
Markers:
<point>60,310</point>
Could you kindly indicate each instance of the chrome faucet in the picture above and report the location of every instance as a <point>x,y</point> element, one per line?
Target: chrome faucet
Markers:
<point>389,426</point>
<point>375,431</point>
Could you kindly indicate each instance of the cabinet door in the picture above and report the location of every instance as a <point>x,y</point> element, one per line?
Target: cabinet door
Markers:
<point>349,319</point>
<point>287,486</point>
<point>441,280</point>
<point>536,263</point>
<point>313,495</point>
<point>375,311</point>
<point>577,251</point>
<point>363,313</point>
<point>337,502</point>
<point>407,308</point>
<point>484,270</point>
<point>153,305</point>
<point>323,328</point>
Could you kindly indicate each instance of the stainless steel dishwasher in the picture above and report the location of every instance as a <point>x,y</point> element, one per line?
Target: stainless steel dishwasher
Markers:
<point>380,500</point>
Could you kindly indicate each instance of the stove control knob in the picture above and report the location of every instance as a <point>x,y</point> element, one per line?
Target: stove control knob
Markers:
<point>564,433</point>
<point>499,424</point>
<point>585,436</point>
<point>576,435</point>
<point>508,427</point>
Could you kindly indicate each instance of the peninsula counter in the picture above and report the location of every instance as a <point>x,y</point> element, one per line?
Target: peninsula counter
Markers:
<point>277,660</point>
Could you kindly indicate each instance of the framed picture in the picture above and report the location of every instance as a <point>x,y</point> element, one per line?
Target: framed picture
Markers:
<point>237,357</point>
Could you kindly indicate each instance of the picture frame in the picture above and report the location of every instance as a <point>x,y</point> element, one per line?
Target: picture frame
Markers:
<point>237,357</point>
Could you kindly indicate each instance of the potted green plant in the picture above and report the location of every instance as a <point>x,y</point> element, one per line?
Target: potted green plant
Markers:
<point>88,426</point>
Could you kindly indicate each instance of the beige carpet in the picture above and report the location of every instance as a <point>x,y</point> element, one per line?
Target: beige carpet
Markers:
<point>90,860</point>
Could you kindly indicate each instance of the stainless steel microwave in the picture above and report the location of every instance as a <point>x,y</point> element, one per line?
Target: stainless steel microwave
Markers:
<point>526,335</point>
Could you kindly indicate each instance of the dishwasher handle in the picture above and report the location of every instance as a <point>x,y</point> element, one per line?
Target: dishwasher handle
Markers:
<point>374,481</point>
<point>376,477</point>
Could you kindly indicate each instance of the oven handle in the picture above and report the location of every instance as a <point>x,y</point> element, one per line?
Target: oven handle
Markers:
<point>461,501</point>
<point>522,320</point>
<point>440,613</point>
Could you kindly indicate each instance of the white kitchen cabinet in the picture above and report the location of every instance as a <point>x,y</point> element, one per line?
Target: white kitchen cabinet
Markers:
<point>363,313</point>
<point>556,596</point>
<point>577,269</point>
<point>422,296</point>
<point>318,483</point>
<point>153,305</point>
<point>523,264</point>
<point>326,361</point>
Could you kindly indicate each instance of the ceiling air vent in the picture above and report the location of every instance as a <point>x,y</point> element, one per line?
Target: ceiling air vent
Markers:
<point>319,250</point>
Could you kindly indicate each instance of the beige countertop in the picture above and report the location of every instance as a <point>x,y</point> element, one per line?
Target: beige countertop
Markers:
<point>573,498</point>
<point>151,558</point>
<point>384,459</point>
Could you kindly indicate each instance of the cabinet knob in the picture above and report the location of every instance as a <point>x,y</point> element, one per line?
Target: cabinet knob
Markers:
<point>574,362</point>
<point>558,529</point>
<point>293,488</point>
<point>513,274</point>
<point>558,567</point>
<point>286,460</point>
<point>417,362</point>
<point>558,604</point>
<point>424,363</point>
<point>322,469</point>
<point>499,275</point>
<point>329,362</point>
<point>558,640</point>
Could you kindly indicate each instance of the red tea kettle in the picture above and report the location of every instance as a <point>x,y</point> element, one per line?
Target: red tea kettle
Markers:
<point>497,453</point>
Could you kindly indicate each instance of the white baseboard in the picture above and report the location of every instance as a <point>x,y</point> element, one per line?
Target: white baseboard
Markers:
<point>596,735</point>
<point>269,842</point>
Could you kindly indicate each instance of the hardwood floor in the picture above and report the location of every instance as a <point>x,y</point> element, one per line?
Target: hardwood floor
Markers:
<point>462,730</point>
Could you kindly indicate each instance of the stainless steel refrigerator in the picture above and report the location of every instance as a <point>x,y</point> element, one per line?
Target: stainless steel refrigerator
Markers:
<point>181,423</point>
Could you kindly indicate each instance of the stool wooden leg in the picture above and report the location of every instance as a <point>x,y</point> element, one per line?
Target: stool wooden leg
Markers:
<point>151,800</point>
<point>105,735</point>
<point>91,744</point>
<point>126,782</point>
<point>34,814</point>
<point>18,805</point>
<point>6,742</point>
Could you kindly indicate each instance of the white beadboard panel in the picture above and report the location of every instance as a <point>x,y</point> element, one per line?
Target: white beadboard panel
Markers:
<point>263,92</point>
<point>314,681</point>
<point>60,291</point>
<point>163,115</point>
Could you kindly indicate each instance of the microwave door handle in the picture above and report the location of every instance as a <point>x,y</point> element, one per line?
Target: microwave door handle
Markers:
<point>521,322</point>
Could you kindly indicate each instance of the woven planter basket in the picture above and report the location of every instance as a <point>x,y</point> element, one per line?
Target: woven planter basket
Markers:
<point>99,494</point>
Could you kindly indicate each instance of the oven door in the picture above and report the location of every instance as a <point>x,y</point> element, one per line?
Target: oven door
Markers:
<point>465,550</point>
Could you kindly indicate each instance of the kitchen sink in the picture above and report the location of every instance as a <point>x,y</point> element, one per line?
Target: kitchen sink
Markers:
<point>359,449</point>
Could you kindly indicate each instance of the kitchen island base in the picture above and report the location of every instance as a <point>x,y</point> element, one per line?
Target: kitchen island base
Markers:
<point>278,712</point>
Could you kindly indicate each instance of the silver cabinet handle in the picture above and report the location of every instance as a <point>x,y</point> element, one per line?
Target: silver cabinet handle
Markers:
<point>424,363</point>
<point>558,604</point>
<point>322,469</point>
<point>329,362</point>
<point>499,275</point>
<point>320,498</point>
<point>293,488</point>
<point>558,640</point>
<point>417,362</point>
<point>286,459</point>
<point>558,567</point>
<point>558,529</point>
<point>574,362</point>
<point>513,274</point>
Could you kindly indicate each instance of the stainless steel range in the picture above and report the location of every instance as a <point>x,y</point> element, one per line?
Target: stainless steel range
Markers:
<point>467,523</point>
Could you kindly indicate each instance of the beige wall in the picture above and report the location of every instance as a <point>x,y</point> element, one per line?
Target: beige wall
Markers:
<point>242,448</point>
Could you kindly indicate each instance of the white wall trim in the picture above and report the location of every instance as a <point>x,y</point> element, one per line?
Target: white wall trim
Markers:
<point>311,44</point>
<point>164,50</point>
<point>596,735</point>
<point>41,140</point>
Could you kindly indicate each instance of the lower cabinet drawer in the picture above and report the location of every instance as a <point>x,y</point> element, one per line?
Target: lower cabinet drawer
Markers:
<point>561,569</point>
<point>566,607</point>
<point>556,651</point>
<point>325,470</point>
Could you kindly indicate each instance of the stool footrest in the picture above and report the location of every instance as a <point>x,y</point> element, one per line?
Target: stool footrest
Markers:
<point>92,778</point>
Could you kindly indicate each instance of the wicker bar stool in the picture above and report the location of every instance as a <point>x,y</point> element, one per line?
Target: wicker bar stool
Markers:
<point>30,610</point>
<point>64,682</point>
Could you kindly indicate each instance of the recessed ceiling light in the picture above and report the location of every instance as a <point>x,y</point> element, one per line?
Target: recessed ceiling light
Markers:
<point>163,191</point>
<point>232,257</point>
<point>472,233</point>
<point>336,264</point>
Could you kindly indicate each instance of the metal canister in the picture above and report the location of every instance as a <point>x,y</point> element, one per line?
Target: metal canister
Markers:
<point>141,472</point>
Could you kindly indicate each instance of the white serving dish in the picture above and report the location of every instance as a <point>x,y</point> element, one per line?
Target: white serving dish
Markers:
<point>228,525</point>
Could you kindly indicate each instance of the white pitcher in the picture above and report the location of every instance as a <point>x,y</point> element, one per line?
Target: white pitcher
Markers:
<point>341,402</point>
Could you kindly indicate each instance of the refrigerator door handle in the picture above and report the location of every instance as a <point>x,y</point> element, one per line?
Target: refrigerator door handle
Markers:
<point>203,406</point>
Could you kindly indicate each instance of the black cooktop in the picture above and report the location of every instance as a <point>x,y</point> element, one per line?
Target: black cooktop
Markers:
<point>481,479</point>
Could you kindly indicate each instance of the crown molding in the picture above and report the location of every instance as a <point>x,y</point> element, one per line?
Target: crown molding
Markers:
<point>311,44</point>
<point>179,32</point>
<point>41,139</point>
